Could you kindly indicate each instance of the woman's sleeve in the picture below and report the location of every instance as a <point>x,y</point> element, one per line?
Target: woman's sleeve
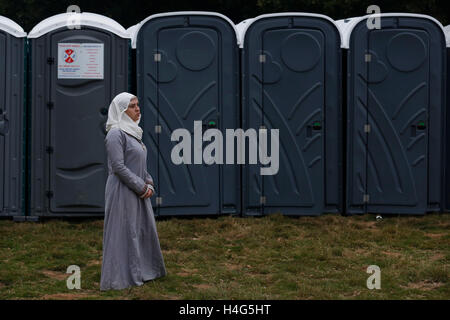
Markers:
<point>149,180</point>
<point>115,143</point>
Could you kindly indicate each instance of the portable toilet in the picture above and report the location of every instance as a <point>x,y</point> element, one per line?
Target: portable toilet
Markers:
<point>291,72</point>
<point>447,141</point>
<point>187,68</point>
<point>395,113</point>
<point>79,62</point>
<point>12,91</point>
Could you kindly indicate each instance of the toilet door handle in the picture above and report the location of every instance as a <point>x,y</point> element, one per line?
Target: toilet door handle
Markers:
<point>421,125</point>
<point>317,125</point>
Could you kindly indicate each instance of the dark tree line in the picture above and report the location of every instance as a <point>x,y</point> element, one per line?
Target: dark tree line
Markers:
<point>28,13</point>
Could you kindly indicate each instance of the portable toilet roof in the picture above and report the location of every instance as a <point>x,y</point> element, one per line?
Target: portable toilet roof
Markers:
<point>11,27</point>
<point>83,19</point>
<point>134,30</point>
<point>243,26</point>
<point>131,30</point>
<point>347,25</point>
<point>447,35</point>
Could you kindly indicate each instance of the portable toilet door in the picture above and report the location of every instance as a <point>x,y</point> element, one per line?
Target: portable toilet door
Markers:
<point>291,72</point>
<point>188,71</point>
<point>77,69</point>
<point>12,59</point>
<point>395,114</point>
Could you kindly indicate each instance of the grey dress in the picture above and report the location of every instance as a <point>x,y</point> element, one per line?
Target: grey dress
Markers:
<point>131,250</point>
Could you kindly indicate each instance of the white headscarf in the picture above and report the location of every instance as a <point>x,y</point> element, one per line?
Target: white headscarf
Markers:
<point>117,118</point>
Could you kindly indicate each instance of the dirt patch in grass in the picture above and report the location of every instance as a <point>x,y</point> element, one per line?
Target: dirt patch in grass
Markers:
<point>170,251</point>
<point>437,256</point>
<point>55,274</point>
<point>353,252</point>
<point>353,294</point>
<point>370,224</point>
<point>423,285</point>
<point>65,296</point>
<point>393,254</point>
<point>232,267</point>
<point>187,272</point>
<point>435,235</point>
<point>183,274</point>
<point>94,263</point>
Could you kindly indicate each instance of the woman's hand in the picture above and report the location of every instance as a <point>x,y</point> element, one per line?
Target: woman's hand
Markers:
<point>148,192</point>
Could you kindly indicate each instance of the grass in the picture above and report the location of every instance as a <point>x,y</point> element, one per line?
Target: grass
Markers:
<point>273,257</point>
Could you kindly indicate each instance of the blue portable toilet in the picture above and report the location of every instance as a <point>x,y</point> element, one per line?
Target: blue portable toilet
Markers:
<point>79,63</point>
<point>187,69</point>
<point>12,92</point>
<point>395,114</point>
<point>291,81</point>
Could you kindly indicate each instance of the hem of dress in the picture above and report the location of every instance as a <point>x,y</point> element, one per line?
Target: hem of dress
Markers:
<point>160,275</point>
<point>136,285</point>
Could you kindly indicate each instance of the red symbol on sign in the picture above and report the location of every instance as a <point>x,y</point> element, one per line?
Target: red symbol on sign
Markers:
<point>69,58</point>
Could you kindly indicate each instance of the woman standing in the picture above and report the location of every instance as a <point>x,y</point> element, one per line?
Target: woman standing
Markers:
<point>131,250</point>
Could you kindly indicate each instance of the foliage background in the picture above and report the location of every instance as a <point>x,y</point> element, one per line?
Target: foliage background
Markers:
<point>28,13</point>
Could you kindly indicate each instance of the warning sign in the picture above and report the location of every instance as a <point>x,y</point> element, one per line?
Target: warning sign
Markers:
<point>80,60</point>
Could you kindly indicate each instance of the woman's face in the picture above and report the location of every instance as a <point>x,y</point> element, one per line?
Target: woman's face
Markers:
<point>133,110</point>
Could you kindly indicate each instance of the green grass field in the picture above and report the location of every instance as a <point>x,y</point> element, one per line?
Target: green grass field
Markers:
<point>274,257</point>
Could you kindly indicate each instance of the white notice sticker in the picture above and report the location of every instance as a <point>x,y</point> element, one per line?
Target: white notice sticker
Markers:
<point>80,60</point>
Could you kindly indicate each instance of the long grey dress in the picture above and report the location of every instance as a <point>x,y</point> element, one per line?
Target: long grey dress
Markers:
<point>131,249</point>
